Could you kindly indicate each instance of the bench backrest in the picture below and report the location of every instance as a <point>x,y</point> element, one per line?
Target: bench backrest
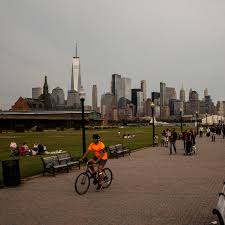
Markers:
<point>220,209</point>
<point>50,161</point>
<point>64,157</point>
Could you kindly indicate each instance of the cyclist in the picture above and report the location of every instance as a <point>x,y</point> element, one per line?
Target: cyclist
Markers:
<point>100,157</point>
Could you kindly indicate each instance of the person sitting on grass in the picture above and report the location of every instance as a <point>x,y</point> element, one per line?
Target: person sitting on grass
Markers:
<point>14,148</point>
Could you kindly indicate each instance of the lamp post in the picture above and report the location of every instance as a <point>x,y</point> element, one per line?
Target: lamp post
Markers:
<point>206,115</point>
<point>153,123</point>
<point>181,120</point>
<point>197,121</point>
<point>82,99</point>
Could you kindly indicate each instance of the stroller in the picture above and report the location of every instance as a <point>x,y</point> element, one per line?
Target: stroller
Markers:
<point>190,148</point>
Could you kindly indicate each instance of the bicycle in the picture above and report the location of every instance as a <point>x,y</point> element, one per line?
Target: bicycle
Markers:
<point>82,183</point>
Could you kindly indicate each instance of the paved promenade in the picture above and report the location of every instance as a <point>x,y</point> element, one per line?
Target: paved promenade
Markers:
<point>150,187</point>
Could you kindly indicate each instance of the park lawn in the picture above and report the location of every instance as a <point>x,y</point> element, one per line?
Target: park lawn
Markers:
<point>70,141</point>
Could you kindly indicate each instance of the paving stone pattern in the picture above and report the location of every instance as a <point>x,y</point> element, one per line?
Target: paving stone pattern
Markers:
<point>150,187</point>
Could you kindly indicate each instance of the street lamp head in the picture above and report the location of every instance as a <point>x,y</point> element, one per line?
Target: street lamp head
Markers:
<point>152,105</point>
<point>82,93</point>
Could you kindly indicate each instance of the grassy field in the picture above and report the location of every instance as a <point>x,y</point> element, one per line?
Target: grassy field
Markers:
<point>70,141</point>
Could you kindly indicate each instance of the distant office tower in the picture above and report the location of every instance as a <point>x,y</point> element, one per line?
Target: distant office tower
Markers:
<point>162,96</point>
<point>206,93</point>
<point>182,94</point>
<point>170,94</point>
<point>147,107</point>
<point>75,73</point>
<point>155,96</point>
<point>193,105</point>
<point>126,87</point>
<point>144,89</point>
<point>73,100</point>
<point>58,97</point>
<point>121,89</point>
<point>134,98</point>
<point>140,103</point>
<point>175,107</point>
<point>107,105</point>
<point>117,87</point>
<point>220,108</point>
<point>193,96</point>
<point>36,92</point>
<point>94,98</point>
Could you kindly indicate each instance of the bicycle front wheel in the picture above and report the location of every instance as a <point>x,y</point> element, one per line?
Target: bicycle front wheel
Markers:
<point>82,183</point>
<point>107,178</point>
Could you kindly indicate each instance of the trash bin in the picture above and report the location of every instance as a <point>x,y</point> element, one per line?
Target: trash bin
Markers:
<point>11,172</point>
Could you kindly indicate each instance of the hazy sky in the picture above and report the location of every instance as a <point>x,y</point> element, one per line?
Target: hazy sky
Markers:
<point>176,41</point>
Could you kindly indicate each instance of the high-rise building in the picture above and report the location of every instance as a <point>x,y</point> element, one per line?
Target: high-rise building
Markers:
<point>73,100</point>
<point>182,94</point>
<point>117,87</point>
<point>170,94</point>
<point>134,98</point>
<point>94,98</point>
<point>162,95</point>
<point>58,97</point>
<point>126,87</point>
<point>206,93</point>
<point>107,105</point>
<point>75,74</point>
<point>144,89</point>
<point>36,92</point>
<point>140,103</point>
<point>121,89</point>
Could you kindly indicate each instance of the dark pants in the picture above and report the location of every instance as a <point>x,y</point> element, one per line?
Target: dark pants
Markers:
<point>184,141</point>
<point>173,145</point>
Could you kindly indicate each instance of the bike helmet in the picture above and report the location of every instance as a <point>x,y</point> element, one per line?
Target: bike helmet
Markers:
<point>96,137</point>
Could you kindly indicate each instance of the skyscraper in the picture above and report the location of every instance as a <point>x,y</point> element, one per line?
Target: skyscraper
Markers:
<point>162,96</point>
<point>144,89</point>
<point>73,100</point>
<point>121,89</point>
<point>182,94</point>
<point>206,93</point>
<point>94,98</point>
<point>75,73</point>
<point>170,94</point>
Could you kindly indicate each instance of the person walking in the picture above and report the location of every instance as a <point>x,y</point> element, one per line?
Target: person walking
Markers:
<point>208,132</point>
<point>223,129</point>
<point>201,131</point>
<point>213,130</point>
<point>184,138</point>
<point>172,140</point>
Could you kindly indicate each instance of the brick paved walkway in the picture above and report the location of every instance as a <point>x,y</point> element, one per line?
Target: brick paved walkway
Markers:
<point>150,187</point>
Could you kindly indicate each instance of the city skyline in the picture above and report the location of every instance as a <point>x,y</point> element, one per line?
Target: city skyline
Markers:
<point>181,42</point>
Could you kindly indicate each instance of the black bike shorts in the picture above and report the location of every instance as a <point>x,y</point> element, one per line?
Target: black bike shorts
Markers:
<point>101,161</point>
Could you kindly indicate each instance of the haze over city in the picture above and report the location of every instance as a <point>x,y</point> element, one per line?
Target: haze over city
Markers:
<point>177,41</point>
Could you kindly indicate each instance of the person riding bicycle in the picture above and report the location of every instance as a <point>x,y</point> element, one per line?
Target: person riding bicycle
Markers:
<point>100,157</point>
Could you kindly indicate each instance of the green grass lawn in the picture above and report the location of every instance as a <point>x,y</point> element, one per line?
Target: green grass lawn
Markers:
<point>70,141</point>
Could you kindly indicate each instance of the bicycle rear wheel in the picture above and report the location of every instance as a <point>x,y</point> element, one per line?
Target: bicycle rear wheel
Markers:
<point>82,183</point>
<point>107,178</point>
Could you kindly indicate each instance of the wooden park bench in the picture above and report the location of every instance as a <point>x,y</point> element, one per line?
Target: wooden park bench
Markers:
<point>220,208</point>
<point>118,150</point>
<point>66,158</point>
<point>54,163</point>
